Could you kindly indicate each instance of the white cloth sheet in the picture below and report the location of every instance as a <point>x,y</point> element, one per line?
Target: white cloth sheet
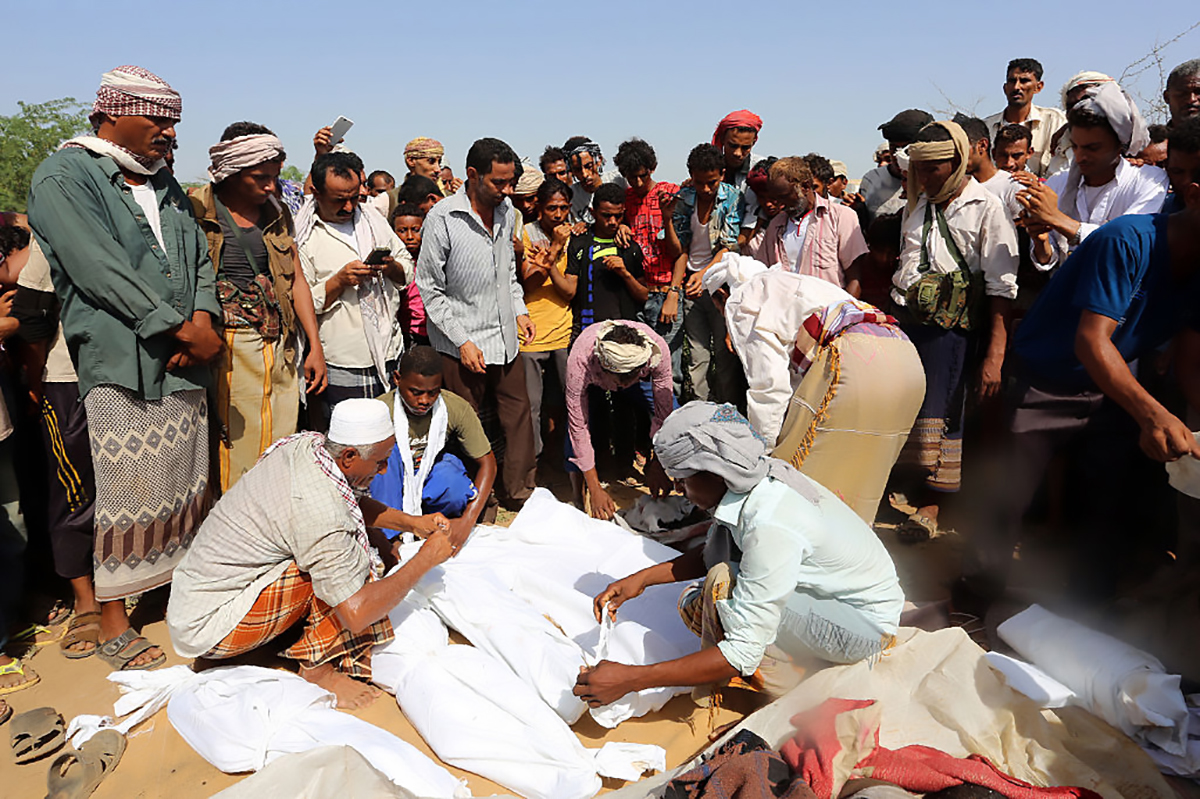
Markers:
<point>477,715</point>
<point>553,560</point>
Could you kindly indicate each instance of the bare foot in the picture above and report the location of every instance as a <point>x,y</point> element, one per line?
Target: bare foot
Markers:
<point>351,694</point>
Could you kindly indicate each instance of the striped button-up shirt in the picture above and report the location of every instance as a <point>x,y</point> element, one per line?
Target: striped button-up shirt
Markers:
<point>468,281</point>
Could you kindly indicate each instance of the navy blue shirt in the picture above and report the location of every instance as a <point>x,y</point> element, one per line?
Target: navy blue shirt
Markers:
<point>1122,271</point>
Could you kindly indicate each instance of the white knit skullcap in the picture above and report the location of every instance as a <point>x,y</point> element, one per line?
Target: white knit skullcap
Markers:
<point>360,422</point>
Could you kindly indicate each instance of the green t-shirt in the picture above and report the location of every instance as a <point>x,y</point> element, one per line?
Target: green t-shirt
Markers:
<point>464,432</point>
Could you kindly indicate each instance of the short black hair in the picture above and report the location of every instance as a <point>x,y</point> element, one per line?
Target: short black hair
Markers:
<point>1184,137</point>
<point>1158,133</point>
<point>371,177</point>
<point>623,334</point>
<point>1079,117</point>
<point>549,156</point>
<point>416,189</point>
<point>706,158</point>
<point>487,151</point>
<point>245,129</point>
<point>344,165</point>
<point>820,167</point>
<point>421,359</point>
<point>1011,134</point>
<point>13,238</point>
<point>405,209</point>
<point>932,132</point>
<point>633,155</point>
<point>975,128</point>
<point>551,187</point>
<point>1024,65</point>
<point>608,193</point>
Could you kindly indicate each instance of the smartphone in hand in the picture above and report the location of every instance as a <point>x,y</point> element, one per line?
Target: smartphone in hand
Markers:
<point>339,129</point>
<point>376,257</point>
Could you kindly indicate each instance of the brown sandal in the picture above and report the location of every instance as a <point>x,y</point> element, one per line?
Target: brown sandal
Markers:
<point>85,628</point>
<point>121,651</point>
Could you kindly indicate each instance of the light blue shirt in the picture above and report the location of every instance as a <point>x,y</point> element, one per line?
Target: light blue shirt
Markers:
<point>791,545</point>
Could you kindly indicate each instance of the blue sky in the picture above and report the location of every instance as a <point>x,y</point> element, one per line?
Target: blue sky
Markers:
<point>823,76</point>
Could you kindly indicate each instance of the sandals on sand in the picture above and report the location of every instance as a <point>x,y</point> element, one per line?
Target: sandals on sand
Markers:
<point>119,652</point>
<point>917,528</point>
<point>37,733</point>
<point>60,613</point>
<point>17,667</point>
<point>85,628</point>
<point>6,713</point>
<point>75,774</point>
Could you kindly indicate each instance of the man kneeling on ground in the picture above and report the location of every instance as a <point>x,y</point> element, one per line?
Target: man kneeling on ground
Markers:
<point>293,540</point>
<point>435,430</point>
<point>792,576</point>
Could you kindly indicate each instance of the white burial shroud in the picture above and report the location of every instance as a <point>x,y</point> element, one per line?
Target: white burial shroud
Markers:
<point>477,715</point>
<point>523,594</point>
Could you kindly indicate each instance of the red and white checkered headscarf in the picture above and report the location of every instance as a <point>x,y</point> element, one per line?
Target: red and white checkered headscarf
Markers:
<point>132,91</point>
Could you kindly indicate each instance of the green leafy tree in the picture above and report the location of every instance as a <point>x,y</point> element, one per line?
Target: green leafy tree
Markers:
<point>27,138</point>
<point>292,172</point>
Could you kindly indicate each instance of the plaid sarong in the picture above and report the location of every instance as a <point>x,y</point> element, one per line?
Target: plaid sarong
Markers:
<point>285,602</point>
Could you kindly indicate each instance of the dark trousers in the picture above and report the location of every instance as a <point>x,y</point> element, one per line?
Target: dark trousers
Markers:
<point>1041,422</point>
<point>502,387</point>
<point>71,483</point>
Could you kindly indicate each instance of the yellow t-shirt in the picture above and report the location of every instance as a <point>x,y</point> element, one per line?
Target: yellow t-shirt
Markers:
<point>550,313</point>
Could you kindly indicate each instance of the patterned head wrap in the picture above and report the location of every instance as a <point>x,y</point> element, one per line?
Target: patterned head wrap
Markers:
<point>424,147</point>
<point>736,119</point>
<point>130,91</point>
<point>706,437</point>
<point>591,148</point>
<point>243,152</point>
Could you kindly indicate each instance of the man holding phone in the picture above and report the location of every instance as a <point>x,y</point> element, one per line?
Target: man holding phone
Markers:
<point>355,265</point>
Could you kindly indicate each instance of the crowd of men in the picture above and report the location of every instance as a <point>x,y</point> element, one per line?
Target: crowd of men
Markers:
<point>250,389</point>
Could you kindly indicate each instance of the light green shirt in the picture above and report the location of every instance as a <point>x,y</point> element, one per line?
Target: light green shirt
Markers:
<point>789,545</point>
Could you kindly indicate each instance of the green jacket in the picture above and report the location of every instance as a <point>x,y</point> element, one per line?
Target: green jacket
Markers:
<point>120,292</point>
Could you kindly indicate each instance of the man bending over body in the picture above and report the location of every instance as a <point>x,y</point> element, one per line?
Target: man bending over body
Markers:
<point>293,540</point>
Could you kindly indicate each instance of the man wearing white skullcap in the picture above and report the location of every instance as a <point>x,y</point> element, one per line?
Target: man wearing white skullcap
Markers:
<point>296,538</point>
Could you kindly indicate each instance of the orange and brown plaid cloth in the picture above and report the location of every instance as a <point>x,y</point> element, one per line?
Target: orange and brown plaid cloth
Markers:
<point>285,602</point>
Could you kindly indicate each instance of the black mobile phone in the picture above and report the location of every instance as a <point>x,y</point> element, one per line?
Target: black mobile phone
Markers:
<point>377,255</point>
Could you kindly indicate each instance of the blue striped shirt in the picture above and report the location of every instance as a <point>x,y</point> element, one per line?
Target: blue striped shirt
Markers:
<point>468,280</point>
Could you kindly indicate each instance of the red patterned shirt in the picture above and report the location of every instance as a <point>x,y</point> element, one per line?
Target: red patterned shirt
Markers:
<point>645,219</point>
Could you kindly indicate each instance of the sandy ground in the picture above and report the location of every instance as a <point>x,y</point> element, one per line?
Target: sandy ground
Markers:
<point>158,763</point>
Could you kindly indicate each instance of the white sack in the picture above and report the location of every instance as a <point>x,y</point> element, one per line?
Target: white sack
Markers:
<point>241,718</point>
<point>1123,685</point>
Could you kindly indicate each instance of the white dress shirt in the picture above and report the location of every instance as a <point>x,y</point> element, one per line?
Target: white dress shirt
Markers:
<point>1133,190</point>
<point>983,232</point>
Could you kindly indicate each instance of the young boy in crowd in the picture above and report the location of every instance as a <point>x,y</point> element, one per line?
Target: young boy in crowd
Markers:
<point>406,220</point>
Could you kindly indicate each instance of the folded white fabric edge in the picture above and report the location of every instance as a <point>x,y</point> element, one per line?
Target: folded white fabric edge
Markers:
<point>1028,679</point>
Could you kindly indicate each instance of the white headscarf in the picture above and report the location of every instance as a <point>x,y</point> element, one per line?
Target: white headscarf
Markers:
<point>1110,101</point>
